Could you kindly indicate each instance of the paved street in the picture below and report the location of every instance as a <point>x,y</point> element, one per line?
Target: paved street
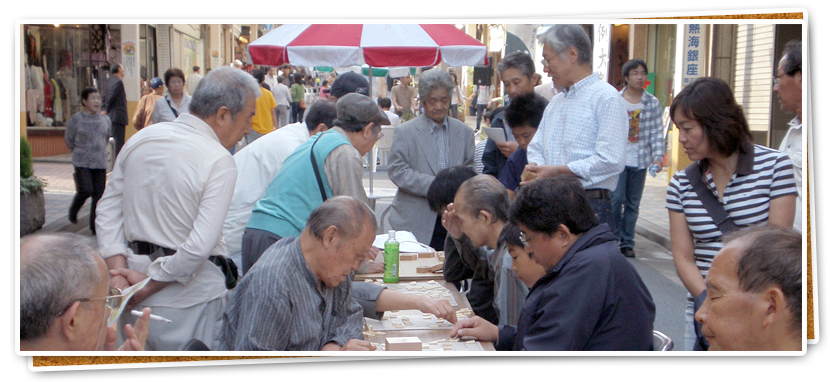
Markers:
<point>653,261</point>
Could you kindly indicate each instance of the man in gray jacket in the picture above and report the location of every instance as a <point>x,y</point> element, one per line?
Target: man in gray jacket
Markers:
<point>422,147</point>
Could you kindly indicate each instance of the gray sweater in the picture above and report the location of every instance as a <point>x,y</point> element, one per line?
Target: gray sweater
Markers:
<point>86,136</point>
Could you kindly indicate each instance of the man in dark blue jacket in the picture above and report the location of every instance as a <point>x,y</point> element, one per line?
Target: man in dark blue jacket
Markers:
<point>591,297</point>
<point>115,106</point>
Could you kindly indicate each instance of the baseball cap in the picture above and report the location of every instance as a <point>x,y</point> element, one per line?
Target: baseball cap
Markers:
<point>349,82</point>
<point>354,107</point>
<point>156,82</point>
<point>237,62</point>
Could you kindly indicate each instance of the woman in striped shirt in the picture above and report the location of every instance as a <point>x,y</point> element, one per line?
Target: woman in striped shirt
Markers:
<point>754,184</point>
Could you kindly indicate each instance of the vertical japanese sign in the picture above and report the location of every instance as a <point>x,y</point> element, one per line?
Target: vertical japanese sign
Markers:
<point>602,48</point>
<point>693,53</point>
<point>128,59</point>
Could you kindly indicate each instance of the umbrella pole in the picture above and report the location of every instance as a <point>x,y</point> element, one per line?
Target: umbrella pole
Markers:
<point>372,161</point>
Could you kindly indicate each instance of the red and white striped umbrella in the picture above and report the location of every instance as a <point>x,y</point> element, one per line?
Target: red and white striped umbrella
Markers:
<point>377,45</point>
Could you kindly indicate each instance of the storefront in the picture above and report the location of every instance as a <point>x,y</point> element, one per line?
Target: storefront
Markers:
<point>58,62</point>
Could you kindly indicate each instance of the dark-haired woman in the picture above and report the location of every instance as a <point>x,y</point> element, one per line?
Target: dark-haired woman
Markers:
<point>86,135</point>
<point>752,183</point>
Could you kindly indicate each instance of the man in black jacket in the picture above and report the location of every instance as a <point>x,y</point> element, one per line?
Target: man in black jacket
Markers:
<point>591,297</point>
<point>116,105</point>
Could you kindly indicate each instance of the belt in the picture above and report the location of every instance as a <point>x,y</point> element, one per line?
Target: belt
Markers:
<point>151,250</point>
<point>598,193</point>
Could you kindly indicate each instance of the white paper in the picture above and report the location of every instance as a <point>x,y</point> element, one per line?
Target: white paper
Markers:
<point>409,243</point>
<point>495,133</point>
<point>128,294</point>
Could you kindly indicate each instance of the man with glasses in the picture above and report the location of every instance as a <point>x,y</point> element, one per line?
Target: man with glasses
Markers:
<point>66,300</point>
<point>583,130</point>
<point>423,147</point>
<point>591,297</point>
<point>325,165</point>
<point>643,151</point>
<point>787,85</point>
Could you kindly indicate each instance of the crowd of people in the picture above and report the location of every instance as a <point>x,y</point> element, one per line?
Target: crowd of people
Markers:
<point>255,247</point>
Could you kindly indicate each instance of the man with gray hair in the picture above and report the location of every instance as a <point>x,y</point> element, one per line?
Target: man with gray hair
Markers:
<point>163,210</point>
<point>298,295</point>
<point>65,297</point>
<point>754,292</point>
<point>423,147</point>
<point>326,165</point>
<point>583,130</point>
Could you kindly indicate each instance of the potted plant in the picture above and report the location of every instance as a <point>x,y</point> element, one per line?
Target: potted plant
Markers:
<point>32,207</point>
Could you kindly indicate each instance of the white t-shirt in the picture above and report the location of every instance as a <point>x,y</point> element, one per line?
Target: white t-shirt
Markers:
<point>632,148</point>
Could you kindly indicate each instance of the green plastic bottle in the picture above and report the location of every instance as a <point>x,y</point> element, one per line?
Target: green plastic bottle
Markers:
<point>391,259</point>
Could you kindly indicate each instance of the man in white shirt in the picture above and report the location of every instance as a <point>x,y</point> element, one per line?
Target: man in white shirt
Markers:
<point>787,85</point>
<point>193,80</point>
<point>584,128</point>
<point>260,162</point>
<point>271,78</point>
<point>386,104</point>
<point>161,215</point>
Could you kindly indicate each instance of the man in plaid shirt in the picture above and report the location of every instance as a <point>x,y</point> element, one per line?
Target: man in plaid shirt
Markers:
<point>644,149</point>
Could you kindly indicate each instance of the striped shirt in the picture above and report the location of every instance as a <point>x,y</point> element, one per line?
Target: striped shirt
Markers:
<point>652,144</point>
<point>764,175</point>
<point>279,306</point>
<point>584,127</point>
<point>510,292</point>
<point>441,140</point>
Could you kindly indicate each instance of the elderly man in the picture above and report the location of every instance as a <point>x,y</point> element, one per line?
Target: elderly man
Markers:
<point>261,161</point>
<point>163,209</point>
<point>474,221</point>
<point>591,297</point>
<point>422,147</point>
<point>65,297</point>
<point>583,130</point>
<point>754,287</point>
<point>547,90</point>
<point>326,165</point>
<point>283,97</point>
<point>518,73</point>
<point>788,87</point>
<point>298,296</point>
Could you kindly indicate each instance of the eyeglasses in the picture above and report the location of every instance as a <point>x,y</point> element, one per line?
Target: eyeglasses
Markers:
<point>380,135</point>
<point>112,300</point>
<point>525,239</point>
<point>775,81</point>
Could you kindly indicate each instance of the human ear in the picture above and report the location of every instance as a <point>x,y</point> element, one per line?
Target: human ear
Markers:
<point>775,302</point>
<point>68,321</point>
<point>487,216</point>
<point>330,236</point>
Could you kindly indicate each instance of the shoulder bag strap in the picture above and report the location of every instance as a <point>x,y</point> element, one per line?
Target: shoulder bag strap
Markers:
<point>712,205</point>
<point>176,113</point>
<point>316,170</point>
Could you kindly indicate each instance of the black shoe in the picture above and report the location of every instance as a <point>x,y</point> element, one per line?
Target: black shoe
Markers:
<point>627,252</point>
<point>73,220</point>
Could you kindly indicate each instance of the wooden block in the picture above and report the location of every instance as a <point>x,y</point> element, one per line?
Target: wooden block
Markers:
<point>408,256</point>
<point>424,255</point>
<point>440,256</point>
<point>528,176</point>
<point>423,269</point>
<point>403,344</point>
<point>436,267</point>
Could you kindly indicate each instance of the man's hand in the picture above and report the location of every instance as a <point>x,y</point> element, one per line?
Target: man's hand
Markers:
<point>373,253</point>
<point>351,345</point>
<point>450,221</point>
<point>476,327</point>
<point>439,307</point>
<point>136,337</point>
<point>134,277</point>
<point>507,148</point>
<point>119,282</point>
<point>545,171</point>
<point>374,268</point>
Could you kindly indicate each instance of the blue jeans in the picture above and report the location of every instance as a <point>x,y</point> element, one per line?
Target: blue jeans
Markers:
<point>479,114</point>
<point>628,194</point>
